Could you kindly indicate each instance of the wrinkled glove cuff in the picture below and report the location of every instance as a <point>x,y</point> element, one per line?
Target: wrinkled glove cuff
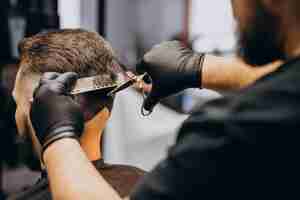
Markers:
<point>193,78</point>
<point>58,134</point>
<point>201,64</point>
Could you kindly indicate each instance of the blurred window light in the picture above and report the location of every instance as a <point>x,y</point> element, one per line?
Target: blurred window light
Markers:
<point>213,26</point>
<point>89,14</point>
<point>69,11</point>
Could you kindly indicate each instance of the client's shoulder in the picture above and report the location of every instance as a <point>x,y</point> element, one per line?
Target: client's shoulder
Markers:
<point>122,178</point>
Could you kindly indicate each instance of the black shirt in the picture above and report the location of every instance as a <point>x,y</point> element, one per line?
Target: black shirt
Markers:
<point>121,177</point>
<point>244,146</point>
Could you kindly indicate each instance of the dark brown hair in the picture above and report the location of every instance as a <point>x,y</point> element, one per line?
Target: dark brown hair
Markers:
<point>71,50</point>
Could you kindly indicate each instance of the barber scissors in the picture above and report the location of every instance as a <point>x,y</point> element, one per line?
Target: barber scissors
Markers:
<point>90,84</point>
<point>124,81</point>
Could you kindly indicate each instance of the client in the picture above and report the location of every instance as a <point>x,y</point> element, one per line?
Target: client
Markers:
<point>87,54</point>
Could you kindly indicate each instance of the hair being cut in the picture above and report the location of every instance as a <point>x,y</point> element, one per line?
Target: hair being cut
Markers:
<point>71,50</point>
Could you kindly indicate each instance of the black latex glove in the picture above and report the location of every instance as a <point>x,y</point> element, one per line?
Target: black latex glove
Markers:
<point>173,68</point>
<point>54,114</point>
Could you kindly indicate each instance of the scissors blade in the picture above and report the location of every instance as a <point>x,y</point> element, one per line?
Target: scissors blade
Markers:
<point>127,84</point>
<point>121,87</point>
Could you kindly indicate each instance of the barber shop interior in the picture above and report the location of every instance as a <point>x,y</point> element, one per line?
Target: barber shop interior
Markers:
<point>148,99</point>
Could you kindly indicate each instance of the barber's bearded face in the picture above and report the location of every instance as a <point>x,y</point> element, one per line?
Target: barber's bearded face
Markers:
<point>259,38</point>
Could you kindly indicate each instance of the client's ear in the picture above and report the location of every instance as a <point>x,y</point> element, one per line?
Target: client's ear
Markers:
<point>91,104</point>
<point>102,115</point>
<point>84,107</point>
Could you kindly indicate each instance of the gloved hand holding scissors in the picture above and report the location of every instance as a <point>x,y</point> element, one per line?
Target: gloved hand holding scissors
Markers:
<point>173,68</point>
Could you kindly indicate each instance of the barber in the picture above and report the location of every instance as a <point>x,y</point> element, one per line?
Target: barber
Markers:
<point>173,68</point>
<point>58,122</point>
<point>243,146</point>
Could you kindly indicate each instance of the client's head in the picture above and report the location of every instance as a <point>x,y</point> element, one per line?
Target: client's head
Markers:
<point>80,51</point>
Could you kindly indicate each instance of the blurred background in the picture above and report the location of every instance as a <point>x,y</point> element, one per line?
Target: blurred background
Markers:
<point>132,27</point>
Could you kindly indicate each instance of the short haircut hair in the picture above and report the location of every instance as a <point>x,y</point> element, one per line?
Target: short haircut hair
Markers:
<point>71,50</point>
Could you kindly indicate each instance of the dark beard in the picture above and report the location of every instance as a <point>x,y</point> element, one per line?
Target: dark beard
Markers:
<point>260,42</point>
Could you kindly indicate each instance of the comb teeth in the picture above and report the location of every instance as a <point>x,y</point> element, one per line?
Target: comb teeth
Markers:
<point>103,86</point>
<point>97,83</point>
<point>94,88</point>
<point>94,83</point>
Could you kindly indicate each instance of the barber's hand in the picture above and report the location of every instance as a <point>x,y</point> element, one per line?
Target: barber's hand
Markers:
<point>173,68</point>
<point>54,114</point>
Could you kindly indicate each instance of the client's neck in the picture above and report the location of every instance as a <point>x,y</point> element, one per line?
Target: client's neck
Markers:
<point>91,139</point>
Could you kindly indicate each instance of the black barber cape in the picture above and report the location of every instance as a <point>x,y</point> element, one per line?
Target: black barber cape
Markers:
<point>121,177</point>
<point>246,146</point>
